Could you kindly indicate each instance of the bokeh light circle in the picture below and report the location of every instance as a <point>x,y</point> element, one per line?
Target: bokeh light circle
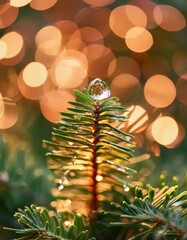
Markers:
<point>124,65</point>
<point>1,105</point>
<point>8,15</point>
<point>3,49</point>
<point>54,102</point>
<point>99,3</point>
<point>124,17</point>
<point>49,40</point>
<point>139,39</point>
<point>138,119</point>
<point>181,86</point>
<point>70,69</point>
<point>159,91</point>
<point>42,5</point>
<point>125,86</point>
<point>35,74</point>
<point>179,63</point>
<point>10,114</point>
<point>165,130</point>
<point>19,3</point>
<point>169,18</point>
<point>14,42</point>
<point>99,58</point>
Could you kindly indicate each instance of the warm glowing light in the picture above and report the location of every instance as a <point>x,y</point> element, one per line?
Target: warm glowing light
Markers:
<point>139,39</point>
<point>87,17</point>
<point>15,46</point>
<point>70,69</point>
<point>33,92</point>
<point>165,130</point>
<point>148,7</point>
<point>125,86</point>
<point>67,223</point>
<point>1,105</point>
<point>124,65</point>
<point>181,86</point>
<point>54,102</point>
<point>99,57</point>
<point>3,49</point>
<point>42,5</point>
<point>99,178</point>
<point>169,18</point>
<point>10,114</point>
<point>68,30</point>
<point>99,3</point>
<point>91,35</point>
<point>126,189</point>
<point>155,64</point>
<point>19,3</point>
<point>179,63</point>
<point>49,40</point>
<point>8,15</point>
<point>159,91</point>
<point>179,139</point>
<point>35,74</point>
<point>138,119</point>
<point>43,58</point>
<point>125,17</point>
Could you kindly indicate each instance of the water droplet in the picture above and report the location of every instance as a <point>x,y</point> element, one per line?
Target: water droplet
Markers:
<point>98,89</point>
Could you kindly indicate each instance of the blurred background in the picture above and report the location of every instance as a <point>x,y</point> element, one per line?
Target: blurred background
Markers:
<point>48,48</point>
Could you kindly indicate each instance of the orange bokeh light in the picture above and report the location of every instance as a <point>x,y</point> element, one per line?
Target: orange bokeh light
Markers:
<point>8,15</point>
<point>124,65</point>
<point>125,86</point>
<point>42,5</point>
<point>14,42</point>
<point>87,16</point>
<point>69,69</point>
<point>19,3</point>
<point>43,58</point>
<point>33,92</point>
<point>164,14</point>
<point>10,114</point>
<point>49,40</point>
<point>99,57</point>
<point>99,3</point>
<point>54,102</point>
<point>165,130</point>
<point>123,18</point>
<point>91,35</point>
<point>179,63</point>
<point>148,7</point>
<point>34,74</point>
<point>159,91</point>
<point>3,49</point>
<point>138,119</point>
<point>1,105</point>
<point>181,86</point>
<point>68,29</point>
<point>139,39</point>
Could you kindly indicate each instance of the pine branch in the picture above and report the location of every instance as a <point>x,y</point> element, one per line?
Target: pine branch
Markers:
<point>38,223</point>
<point>157,215</point>
<point>88,154</point>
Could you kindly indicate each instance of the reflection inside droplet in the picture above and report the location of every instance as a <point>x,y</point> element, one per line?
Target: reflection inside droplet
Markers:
<point>98,89</point>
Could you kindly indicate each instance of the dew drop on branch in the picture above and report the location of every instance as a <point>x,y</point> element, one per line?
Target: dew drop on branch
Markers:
<point>98,89</point>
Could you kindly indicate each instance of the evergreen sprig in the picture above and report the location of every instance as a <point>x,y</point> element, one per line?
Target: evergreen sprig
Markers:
<point>157,215</point>
<point>39,223</point>
<point>89,154</point>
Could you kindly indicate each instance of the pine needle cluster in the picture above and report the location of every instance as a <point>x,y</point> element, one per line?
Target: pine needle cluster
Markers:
<point>90,158</point>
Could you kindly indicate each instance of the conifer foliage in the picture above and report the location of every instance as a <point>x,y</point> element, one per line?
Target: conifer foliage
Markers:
<point>90,158</point>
